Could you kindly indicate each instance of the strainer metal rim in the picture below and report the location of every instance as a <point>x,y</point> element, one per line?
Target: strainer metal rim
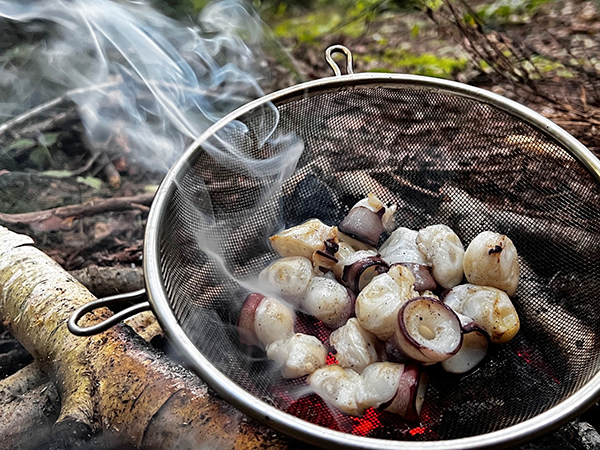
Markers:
<point>569,408</point>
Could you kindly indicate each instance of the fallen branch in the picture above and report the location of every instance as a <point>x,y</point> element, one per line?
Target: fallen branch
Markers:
<point>89,208</point>
<point>26,422</point>
<point>29,404</point>
<point>114,384</point>
<point>104,281</point>
<point>17,384</point>
<point>546,235</point>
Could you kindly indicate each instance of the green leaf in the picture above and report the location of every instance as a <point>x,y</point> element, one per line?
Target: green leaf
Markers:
<point>57,173</point>
<point>38,157</point>
<point>94,183</point>
<point>48,139</point>
<point>22,144</point>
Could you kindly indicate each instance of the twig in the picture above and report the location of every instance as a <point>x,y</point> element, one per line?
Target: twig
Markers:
<point>111,172</point>
<point>90,208</point>
<point>404,182</point>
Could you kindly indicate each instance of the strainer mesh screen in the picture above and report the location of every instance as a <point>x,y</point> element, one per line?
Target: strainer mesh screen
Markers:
<point>441,158</point>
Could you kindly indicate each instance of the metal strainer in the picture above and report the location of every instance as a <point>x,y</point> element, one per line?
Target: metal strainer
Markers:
<point>445,153</point>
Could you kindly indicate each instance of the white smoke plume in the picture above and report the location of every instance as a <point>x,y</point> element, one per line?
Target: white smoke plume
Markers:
<point>137,76</point>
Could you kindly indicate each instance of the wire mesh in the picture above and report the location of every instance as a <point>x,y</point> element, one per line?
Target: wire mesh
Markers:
<point>442,158</point>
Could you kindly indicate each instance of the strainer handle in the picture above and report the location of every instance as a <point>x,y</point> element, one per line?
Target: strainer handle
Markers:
<point>112,320</point>
<point>329,58</point>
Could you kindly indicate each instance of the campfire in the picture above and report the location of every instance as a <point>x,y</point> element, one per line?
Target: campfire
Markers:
<point>441,152</point>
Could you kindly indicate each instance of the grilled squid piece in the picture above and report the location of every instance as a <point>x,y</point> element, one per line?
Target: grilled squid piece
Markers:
<point>489,308</point>
<point>424,280</point>
<point>380,384</point>
<point>427,330</point>
<point>288,277</point>
<point>491,260</point>
<point>304,239</point>
<point>298,355</point>
<point>355,347</point>
<point>337,386</point>
<point>409,395</point>
<point>328,301</point>
<point>401,247</point>
<point>344,250</point>
<point>473,350</point>
<point>368,219</point>
<point>378,303</point>
<point>396,388</point>
<point>358,269</point>
<point>264,320</point>
<point>444,252</point>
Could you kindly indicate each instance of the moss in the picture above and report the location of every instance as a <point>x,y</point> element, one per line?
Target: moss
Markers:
<point>309,28</point>
<point>341,17</point>
<point>510,11</point>
<point>536,66</point>
<point>425,64</point>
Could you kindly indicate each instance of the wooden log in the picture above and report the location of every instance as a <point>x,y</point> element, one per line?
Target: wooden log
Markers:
<point>114,384</point>
<point>105,281</point>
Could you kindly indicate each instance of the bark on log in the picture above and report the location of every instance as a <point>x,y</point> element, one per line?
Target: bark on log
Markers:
<point>29,404</point>
<point>113,384</point>
<point>105,281</point>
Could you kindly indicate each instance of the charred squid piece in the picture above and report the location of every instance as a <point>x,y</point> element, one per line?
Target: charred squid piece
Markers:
<point>264,320</point>
<point>299,355</point>
<point>368,219</point>
<point>288,277</point>
<point>378,303</point>
<point>328,301</point>
<point>491,260</point>
<point>355,347</point>
<point>424,280</point>
<point>358,269</point>
<point>427,330</point>
<point>304,239</point>
<point>326,259</point>
<point>337,386</point>
<point>443,252</point>
<point>402,247</point>
<point>488,307</point>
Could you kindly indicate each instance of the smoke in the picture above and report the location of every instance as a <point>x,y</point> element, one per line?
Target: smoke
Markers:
<point>149,85</point>
<point>142,82</point>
